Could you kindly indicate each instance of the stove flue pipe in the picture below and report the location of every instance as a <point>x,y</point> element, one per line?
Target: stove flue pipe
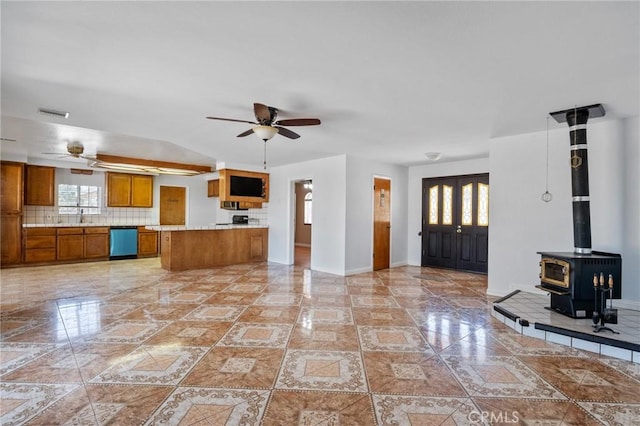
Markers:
<point>577,118</point>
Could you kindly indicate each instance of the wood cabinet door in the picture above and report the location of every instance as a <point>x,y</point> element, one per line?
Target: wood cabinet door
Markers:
<point>96,245</point>
<point>118,190</point>
<point>11,187</point>
<point>213,188</point>
<point>147,243</point>
<point>40,186</point>
<point>11,239</point>
<point>70,247</point>
<point>141,191</point>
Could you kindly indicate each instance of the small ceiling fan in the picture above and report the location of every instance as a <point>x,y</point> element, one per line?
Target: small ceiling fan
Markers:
<point>74,150</point>
<point>266,125</point>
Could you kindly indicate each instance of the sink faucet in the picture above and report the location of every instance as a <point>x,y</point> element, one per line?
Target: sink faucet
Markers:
<point>81,216</point>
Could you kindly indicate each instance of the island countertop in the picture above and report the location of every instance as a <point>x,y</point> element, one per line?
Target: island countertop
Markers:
<point>212,227</point>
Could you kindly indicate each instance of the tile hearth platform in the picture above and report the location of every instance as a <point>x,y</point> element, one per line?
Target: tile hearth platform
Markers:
<point>527,313</point>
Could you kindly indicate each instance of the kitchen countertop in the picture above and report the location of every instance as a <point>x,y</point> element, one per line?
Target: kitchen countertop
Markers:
<point>212,227</point>
<point>76,225</point>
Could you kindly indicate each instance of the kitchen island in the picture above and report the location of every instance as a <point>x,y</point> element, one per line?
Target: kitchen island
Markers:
<point>196,247</point>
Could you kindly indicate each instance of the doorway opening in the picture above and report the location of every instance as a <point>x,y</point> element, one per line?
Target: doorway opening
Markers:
<point>303,223</point>
<point>455,222</point>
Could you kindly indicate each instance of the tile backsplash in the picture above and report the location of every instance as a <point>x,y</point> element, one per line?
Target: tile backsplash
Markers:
<point>107,216</point>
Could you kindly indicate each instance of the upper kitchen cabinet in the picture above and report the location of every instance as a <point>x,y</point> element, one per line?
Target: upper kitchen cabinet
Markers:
<point>11,189</point>
<point>128,190</point>
<point>243,186</point>
<point>39,186</point>
<point>213,188</point>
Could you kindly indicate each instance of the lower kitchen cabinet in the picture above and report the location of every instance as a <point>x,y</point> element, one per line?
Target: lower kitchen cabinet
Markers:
<point>147,242</point>
<point>96,242</point>
<point>39,245</point>
<point>70,244</point>
<point>10,239</point>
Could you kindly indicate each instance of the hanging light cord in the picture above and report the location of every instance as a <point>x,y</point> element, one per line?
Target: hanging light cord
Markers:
<point>547,197</point>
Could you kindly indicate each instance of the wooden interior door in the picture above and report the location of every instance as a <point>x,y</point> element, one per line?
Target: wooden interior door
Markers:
<point>455,224</point>
<point>381,223</point>
<point>173,201</point>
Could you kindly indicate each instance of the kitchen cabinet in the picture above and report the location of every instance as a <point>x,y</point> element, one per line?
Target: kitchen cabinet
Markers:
<point>39,245</point>
<point>127,190</point>
<point>79,243</point>
<point>11,236</point>
<point>147,242</point>
<point>182,250</point>
<point>11,200</point>
<point>11,189</point>
<point>213,188</point>
<point>70,245</point>
<point>243,186</point>
<point>39,185</point>
<point>96,242</point>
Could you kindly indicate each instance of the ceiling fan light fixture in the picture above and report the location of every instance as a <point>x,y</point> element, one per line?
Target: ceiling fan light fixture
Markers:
<point>265,132</point>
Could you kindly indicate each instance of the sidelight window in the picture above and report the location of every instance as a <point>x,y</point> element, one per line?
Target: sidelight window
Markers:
<point>74,198</point>
<point>483,204</point>
<point>467,204</point>
<point>433,205</point>
<point>307,208</point>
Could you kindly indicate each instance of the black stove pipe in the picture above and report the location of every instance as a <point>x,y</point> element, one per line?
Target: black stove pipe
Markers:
<point>577,118</point>
<point>577,121</point>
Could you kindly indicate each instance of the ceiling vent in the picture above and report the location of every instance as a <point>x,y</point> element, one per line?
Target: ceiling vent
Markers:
<point>61,114</point>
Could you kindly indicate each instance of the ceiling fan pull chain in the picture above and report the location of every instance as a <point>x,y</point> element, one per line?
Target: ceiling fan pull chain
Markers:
<point>265,155</point>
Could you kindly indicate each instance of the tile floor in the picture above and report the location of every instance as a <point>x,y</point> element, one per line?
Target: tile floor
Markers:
<point>127,343</point>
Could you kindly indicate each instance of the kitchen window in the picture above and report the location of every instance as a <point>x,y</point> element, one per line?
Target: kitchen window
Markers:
<point>76,199</point>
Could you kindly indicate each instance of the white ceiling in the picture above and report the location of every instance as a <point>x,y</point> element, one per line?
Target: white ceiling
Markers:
<point>389,80</point>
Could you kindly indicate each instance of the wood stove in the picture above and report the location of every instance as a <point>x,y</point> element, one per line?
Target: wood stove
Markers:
<point>569,277</point>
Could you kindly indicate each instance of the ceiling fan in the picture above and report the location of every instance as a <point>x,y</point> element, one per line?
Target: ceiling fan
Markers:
<point>74,150</point>
<point>266,125</point>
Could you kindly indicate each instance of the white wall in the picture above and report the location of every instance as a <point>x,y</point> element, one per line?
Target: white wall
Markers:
<point>329,204</point>
<point>522,224</point>
<point>414,196</point>
<point>359,213</point>
<point>631,214</point>
<point>201,210</point>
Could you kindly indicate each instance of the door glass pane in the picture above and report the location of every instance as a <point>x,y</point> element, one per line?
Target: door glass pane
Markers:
<point>447,205</point>
<point>467,204</point>
<point>483,204</point>
<point>433,205</point>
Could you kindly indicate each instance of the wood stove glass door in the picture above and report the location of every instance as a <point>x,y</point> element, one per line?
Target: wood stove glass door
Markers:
<point>455,224</point>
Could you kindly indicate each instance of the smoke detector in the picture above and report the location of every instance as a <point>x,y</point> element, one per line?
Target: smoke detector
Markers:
<point>54,112</point>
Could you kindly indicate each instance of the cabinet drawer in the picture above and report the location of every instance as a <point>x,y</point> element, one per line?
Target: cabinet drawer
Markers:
<point>96,230</point>
<point>40,255</point>
<point>40,241</point>
<point>69,231</point>
<point>39,231</point>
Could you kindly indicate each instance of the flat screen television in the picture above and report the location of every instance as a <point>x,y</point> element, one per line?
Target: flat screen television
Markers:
<point>242,186</point>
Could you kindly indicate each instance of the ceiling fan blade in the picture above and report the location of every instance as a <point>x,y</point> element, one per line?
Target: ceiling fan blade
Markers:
<point>247,133</point>
<point>299,122</point>
<point>287,133</point>
<point>263,114</point>
<point>232,119</point>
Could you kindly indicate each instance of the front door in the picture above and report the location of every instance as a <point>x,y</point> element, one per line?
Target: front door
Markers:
<point>172,205</point>
<point>455,224</point>
<point>381,223</point>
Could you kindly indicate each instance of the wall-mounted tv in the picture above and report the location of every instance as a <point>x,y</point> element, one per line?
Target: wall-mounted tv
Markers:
<point>242,186</point>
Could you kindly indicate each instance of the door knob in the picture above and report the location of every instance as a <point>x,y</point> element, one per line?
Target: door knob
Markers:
<point>459,229</point>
